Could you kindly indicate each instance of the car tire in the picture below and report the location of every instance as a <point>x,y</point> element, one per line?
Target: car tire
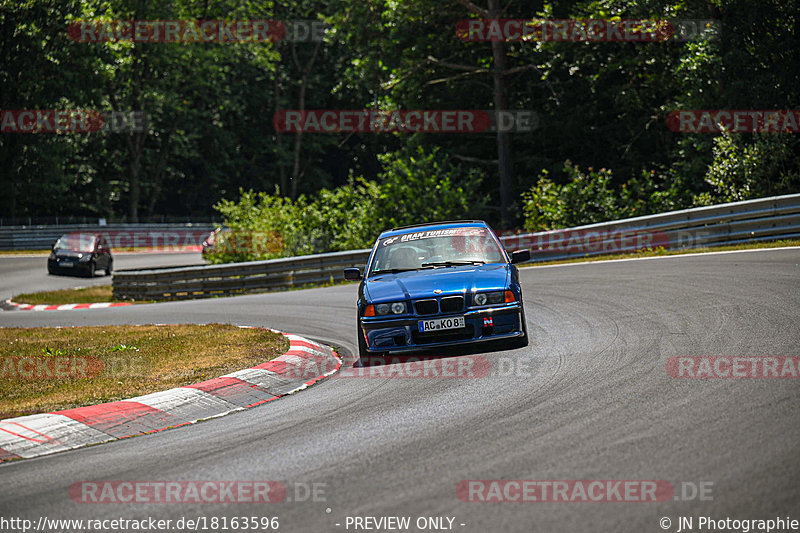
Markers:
<point>110,267</point>
<point>90,269</point>
<point>362,343</point>
<point>521,342</point>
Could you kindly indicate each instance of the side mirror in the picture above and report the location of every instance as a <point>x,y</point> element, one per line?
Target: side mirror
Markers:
<point>352,274</point>
<point>520,256</point>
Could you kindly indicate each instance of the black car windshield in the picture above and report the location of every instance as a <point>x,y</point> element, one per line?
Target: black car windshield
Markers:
<point>76,242</point>
<point>436,249</point>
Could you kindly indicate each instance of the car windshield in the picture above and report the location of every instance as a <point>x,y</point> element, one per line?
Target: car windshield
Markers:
<point>76,242</point>
<point>436,249</point>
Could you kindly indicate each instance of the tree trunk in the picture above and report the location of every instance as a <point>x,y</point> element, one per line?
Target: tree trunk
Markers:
<point>133,197</point>
<point>134,140</point>
<point>297,174</point>
<point>158,170</point>
<point>283,177</point>
<point>500,65</point>
<point>298,141</point>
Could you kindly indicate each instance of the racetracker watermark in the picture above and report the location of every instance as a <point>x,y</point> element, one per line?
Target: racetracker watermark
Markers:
<point>197,31</point>
<point>586,30</point>
<point>119,240</point>
<point>71,121</point>
<point>585,241</point>
<point>48,368</point>
<point>246,242</point>
<point>406,367</point>
<point>735,121</point>
<point>404,121</point>
<point>723,367</point>
<point>575,490</point>
<point>150,492</point>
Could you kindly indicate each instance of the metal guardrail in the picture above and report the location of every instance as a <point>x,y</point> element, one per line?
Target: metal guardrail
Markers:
<point>122,235</point>
<point>752,220</point>
<point>772,218</point>
<point>235,278</point>
<point>61,220</point>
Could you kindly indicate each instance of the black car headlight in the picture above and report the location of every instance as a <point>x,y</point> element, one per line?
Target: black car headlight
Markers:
<point>483,298</point>
<point>84,257</point>
<point>52,255</point>
<point>398,308</point>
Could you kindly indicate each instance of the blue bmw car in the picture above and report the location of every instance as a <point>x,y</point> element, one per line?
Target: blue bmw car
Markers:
<point>439,284</point>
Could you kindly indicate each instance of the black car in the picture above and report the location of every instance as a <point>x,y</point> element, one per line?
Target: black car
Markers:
<point>80,253</point>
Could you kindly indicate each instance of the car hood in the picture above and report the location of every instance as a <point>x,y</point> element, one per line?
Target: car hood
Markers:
<point>450,280</point>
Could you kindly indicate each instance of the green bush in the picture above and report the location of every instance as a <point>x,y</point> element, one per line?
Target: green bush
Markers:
<point>419,187</point>
<point>584,199</point>
<point>749,166</point>
<point>590,197</point>
<point>542,206</point>
<point>344,218</point>
<point>257,214</point>
<point>654,192</point>
<point>415,186</point>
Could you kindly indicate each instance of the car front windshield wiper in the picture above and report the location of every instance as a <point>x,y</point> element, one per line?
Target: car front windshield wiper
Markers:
<point>393,270</point>
<point>453,263</point>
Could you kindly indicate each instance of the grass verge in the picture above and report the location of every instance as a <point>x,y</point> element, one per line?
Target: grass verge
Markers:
<point>660,252</point>
<point>49,369</point>
<point>104,293</point>
<point>84,295</point>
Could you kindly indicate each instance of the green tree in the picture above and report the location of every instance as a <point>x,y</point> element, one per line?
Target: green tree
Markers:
<point>745,167</point>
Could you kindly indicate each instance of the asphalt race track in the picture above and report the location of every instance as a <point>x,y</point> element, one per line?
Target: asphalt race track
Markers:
<point>589,399</point>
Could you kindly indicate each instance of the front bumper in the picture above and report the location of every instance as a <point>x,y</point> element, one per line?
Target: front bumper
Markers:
<point>402,334</point>
<point>77,266</point>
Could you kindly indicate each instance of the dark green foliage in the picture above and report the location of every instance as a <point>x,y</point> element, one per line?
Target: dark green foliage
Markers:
<point>210,108</point>
<point>590,197</point>
<point>414,187</point>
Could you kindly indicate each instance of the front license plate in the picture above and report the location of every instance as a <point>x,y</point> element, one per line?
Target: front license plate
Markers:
<point>439,324</point>
<point>66,264</point>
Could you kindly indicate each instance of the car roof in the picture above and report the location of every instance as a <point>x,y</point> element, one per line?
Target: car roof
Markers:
<point>434,226</point>
<point>82,234</point>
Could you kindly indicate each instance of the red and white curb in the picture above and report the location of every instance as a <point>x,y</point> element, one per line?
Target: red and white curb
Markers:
<point>62,307</point>
<point>305,363</point>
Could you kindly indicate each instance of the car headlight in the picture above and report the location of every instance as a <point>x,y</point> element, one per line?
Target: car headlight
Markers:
<point>483,298</point>
<point>52,255</point>
<point>84,257</point>
<point>398,308</point>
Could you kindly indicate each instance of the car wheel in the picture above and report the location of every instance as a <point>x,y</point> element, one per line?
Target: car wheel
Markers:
<point>110,267</point>
<point>90,269</point>
<point>521,342</point>
<point>362,343</point>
